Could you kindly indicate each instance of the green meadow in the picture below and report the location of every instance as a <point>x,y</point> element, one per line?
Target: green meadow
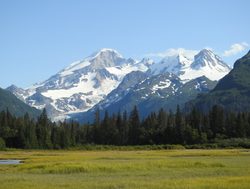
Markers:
<point>149,169</point>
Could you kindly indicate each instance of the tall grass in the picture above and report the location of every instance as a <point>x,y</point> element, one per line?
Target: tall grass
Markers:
<point>127,169</point>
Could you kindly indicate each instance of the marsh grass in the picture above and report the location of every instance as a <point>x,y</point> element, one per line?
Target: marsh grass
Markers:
<point>127,169</point>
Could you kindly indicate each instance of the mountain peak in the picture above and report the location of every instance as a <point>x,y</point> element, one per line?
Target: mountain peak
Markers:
<point>173,64</point>
<point>207,57</point>
<point>101,59</point>
<point>205,53</point>
<point>106,52</point>
<point>12,87</point>
<point>105,58</point>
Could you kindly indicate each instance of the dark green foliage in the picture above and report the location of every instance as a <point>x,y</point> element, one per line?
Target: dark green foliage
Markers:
<point>134,127</point>
<point>43,131</point>
<point>196,129</point>
<point>2,144</point>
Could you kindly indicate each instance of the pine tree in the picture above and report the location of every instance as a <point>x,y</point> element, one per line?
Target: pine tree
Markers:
<point>161,126</point>
<point>169,132</point>
<point>240,130</point>
<point>44,130</point>
<point>217,121</point>
<point>119,125</point>
<point>55,135</point>
<point>134,126</point>
<point>96,134</point>
<point>179,124</point>
<point>30,132</point>
<point>19,140</point>
<point>124,129</point>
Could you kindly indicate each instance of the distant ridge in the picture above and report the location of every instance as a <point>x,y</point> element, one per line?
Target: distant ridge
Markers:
<point>16,107</point>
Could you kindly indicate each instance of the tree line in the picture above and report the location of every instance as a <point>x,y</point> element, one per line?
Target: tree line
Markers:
<point>124,128</point>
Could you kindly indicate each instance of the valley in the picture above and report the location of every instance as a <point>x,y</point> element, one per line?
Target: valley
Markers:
<point>124,94</point>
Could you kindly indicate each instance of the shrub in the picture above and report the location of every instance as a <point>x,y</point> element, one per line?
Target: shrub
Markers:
<point>2,144</point>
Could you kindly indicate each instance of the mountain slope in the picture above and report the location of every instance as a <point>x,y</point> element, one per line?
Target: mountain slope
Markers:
<point>14,105</point>
<point>128,83</point>
<point>232,91</point>
<point>150,94</point>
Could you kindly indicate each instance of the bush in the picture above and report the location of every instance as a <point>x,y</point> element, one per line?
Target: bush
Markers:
<point>2,144</point>
<point>128,148</point>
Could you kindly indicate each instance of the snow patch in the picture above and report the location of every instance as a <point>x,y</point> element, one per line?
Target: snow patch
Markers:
<point>162,85</point>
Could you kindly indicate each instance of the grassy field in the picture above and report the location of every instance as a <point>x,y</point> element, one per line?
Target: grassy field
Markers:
<point>192,169</point>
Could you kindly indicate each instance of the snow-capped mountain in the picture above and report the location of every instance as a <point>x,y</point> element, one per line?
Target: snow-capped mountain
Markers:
<point>108,80</point>
<point>83,84</point>
<point>205,63</point>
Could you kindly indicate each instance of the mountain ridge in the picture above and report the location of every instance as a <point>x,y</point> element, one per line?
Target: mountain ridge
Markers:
<point>84,84</point>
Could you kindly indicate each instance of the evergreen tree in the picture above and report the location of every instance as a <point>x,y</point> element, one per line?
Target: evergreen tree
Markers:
<point>95,134</point>
<point>162,120</point>
<point>179,124</point>
<point>157,128</point>
<point>119,125</point>
<point>55,136</point>
<point>134,126</point>
<point>30,132</point>
<point>124,129</point>
<point>240,130</point>
<point>217,122</point>
<point>44,130</point>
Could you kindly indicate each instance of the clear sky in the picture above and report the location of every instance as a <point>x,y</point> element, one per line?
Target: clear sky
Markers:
<point>38,38</point>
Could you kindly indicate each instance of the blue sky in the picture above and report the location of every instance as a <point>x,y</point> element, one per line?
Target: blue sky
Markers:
<point>39,38</point>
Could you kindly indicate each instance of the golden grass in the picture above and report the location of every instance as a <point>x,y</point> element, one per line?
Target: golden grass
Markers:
<point>190,169</point>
